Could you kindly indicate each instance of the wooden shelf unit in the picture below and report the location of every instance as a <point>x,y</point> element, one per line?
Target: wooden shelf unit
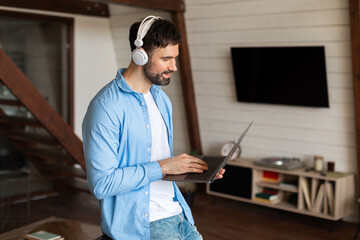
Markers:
<point>342,188</point>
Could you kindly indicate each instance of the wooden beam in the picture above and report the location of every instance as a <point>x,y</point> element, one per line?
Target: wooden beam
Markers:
<point>164,5</point>
<point>188,86</point>
<point>354,8</point>
<point>71,74</point>
<point>39,17</point>
<point>30,97</point>
<point>66,6</point>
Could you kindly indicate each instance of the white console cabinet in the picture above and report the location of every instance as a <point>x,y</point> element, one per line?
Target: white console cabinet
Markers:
<point>243,180</point>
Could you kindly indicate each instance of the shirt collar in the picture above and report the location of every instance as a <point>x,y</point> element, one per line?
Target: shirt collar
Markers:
<point>123,85</point>
<point>121,82</point>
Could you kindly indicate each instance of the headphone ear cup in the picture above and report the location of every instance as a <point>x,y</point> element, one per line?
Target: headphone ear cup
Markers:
<point>139,57</point>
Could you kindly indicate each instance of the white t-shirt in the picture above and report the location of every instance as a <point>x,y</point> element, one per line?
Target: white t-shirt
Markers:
<point>162,204</point>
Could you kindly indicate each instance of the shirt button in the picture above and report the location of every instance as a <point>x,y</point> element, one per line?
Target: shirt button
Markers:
<point>142,103</point>
<point>148,149</point>
<point>146,193</point>
<point>148,126</point>
<point>145,215</point>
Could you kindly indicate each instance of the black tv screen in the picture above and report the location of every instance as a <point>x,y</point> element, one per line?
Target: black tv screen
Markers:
<point>281,75</point>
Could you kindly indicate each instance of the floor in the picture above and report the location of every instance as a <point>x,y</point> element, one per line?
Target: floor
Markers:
<point>229,219</point>
<point>220,219</point>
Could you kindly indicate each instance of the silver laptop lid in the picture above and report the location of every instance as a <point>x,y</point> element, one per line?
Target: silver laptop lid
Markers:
<point>233,149</point>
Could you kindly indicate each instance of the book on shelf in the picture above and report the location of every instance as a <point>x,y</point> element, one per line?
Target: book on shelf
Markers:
<point>306,192</point>
<point>271,177</point>
<point>270,190</point>
<point>267,201</point>
<point>43,235</point>
<point>330,197</point>
<point>268,197</point>
<point>325,205</point>
<point>319,200</point>
<point>314,189</point>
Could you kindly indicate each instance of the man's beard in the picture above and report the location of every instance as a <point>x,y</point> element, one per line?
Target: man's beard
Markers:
<point>154,78</point>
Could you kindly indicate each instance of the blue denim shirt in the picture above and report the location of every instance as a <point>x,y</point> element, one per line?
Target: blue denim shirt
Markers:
<point>117,146</point>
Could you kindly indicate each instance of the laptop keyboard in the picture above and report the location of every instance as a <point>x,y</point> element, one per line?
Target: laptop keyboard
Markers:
<point>212,163</point>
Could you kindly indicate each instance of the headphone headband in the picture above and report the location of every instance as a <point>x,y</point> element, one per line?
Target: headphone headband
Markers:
<point>139,56</point>
<point>143,29</point>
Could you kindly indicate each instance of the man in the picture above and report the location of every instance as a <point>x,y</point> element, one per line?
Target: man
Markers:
<point>128,136</point>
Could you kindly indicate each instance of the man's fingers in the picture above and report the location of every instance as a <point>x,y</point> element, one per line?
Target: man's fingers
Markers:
<point>198,161</point>
<point>220,174</point>
<point>200,165</point>
<point>195,167</point>
<point>183,163</point>
<point>195,170</point>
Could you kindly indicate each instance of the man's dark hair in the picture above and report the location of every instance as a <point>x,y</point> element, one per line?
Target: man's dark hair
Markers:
<point>161,33</point>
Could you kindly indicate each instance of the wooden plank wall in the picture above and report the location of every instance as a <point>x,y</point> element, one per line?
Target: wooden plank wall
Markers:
<point>215,25</point>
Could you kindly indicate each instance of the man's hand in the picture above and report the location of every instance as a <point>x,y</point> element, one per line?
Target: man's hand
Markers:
<point>220,174</point>
<point>182,163</point>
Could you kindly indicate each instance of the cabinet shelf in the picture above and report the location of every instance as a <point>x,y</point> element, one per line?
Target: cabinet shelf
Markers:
<point>315,195</point>
<point>276,186</point>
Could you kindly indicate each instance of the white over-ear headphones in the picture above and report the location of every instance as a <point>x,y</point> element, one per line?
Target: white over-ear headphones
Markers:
<point>139,56</point>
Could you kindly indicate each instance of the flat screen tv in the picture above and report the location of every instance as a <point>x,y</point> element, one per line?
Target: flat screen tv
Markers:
<point>281,75</point>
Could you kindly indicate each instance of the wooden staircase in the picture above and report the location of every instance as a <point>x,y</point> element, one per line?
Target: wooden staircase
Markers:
<point>39,132</point>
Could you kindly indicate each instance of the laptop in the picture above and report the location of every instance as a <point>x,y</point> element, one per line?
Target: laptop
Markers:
<point>215,164</point>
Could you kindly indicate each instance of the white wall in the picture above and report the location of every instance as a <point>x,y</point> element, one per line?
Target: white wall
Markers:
<point>95,63</point>
<point>215,25</point>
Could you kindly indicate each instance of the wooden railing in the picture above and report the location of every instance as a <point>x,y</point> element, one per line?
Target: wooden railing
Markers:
<point>56,152</point>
